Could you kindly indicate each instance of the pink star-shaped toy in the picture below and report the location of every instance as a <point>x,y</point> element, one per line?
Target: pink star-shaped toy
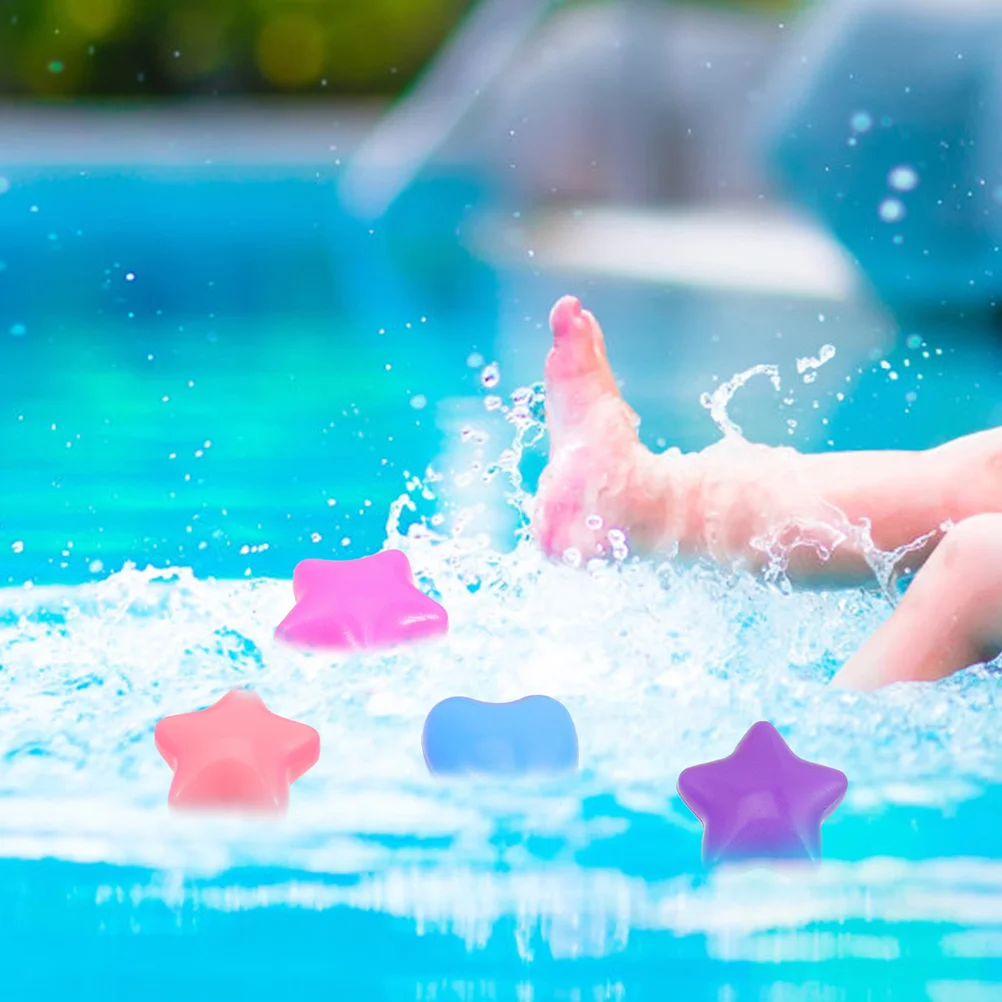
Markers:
<point>353,604</point>
<point>236,753</point>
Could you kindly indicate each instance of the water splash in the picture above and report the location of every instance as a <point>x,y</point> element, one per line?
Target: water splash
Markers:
<point>808,367</point>
<point>821,536</point>
<point>718,401</point>
<point>658,664</point>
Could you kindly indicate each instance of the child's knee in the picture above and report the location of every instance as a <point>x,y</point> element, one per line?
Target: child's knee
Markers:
<point>974,544</point>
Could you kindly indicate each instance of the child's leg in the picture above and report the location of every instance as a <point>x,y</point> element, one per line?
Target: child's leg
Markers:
<point>950,617</point>
<point>724,501</point>
<point>905,496</point>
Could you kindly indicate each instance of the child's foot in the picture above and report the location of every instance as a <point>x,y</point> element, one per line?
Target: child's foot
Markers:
<point>595,480</point>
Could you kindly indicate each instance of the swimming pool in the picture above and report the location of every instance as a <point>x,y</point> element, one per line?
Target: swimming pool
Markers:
<point>217,375</point>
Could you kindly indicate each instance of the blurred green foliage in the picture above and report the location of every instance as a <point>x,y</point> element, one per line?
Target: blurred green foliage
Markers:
<point>155,47</point>
<point>136,48</point>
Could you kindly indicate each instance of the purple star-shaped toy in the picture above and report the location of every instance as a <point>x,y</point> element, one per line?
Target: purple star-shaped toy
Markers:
<point>762,801</point>
<point>353,604</point>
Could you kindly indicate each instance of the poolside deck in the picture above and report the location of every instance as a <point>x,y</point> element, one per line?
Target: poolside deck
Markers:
<point>182,133</point>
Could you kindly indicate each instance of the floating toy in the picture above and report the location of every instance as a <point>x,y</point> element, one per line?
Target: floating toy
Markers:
<point>534,734</point>
<point>353,604</point>
<point>762,801</point>
<point>235,754</point>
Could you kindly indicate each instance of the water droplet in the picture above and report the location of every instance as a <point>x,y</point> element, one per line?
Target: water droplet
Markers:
<point>914,341</point>
<point>4,185</point>
<point>55,66</point>
<point>316,537</point>
<point>903,178</point>
<point>419,401</point>
<point>618,540</point>
<point>572,556</point>
<point>17,546</point>
<point>891,210</point>
<point>861,122</point>
<point>807,367</point>
<point>475,360</point>
<point>130,277</point>
<point>18,330</point>
<point>491,375</point>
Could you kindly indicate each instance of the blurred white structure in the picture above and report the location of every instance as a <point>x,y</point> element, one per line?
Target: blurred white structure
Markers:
<point>631,102</point>
<point>761,252</point>
<point>417,128</point>
<point>883,121</point>
<point>627,104</point>
<point>627,100</point>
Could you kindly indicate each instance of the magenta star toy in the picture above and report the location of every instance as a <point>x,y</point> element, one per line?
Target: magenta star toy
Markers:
<point>354,604</point>
<point>762,801</point>
<point>235,754</point>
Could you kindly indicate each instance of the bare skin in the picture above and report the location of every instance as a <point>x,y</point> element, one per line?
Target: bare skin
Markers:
<point>734,501</point>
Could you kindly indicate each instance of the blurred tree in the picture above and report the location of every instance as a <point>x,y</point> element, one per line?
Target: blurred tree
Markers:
<point>157,47</point>
<point>137,48</point>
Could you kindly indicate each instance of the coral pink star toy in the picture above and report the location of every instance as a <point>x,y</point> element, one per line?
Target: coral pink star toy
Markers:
<point>236,753</point>
<point>353,604</point>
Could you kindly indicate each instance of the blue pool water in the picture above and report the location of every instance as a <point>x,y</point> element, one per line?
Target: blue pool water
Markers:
<point>275,382</point>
